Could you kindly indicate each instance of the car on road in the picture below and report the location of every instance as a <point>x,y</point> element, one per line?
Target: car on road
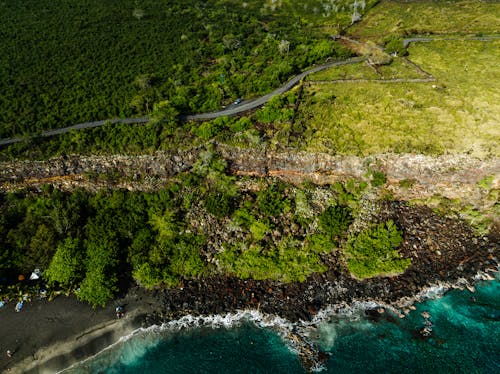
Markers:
<point>237,101</point>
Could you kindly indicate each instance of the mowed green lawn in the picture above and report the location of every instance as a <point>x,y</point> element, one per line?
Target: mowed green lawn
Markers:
<point>459,112</point>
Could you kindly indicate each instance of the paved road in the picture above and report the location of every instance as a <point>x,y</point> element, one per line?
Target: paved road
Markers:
<point>243,107</point>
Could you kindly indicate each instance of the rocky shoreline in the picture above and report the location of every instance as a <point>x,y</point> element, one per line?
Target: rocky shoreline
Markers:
<point>444,251</point>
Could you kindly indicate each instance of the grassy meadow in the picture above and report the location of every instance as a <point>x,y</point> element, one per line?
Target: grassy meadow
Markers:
<point>394,18</point>
<point>360,70</point>
<point>399,68</point>
<point>437,117</point>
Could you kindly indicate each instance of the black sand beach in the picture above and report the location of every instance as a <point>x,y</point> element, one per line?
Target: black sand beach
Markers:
<point>48,336</point>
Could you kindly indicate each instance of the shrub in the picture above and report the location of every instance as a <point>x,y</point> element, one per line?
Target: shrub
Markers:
<point>377,178</point>
<point>272,201</point>
<point>259,229</point>
<point>335,220</point>
<point>373,252</point>
<point>219,204</point>
<point>406,183</point>
<point>395,45</point>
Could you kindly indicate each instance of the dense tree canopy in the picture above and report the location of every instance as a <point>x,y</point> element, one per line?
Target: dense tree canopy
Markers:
<point>104,59</point>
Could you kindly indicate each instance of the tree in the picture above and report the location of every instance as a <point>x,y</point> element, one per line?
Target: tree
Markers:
<point>66,267</point>
<point>100,283</point>
<point>166,114</point>
<point>374,252</point>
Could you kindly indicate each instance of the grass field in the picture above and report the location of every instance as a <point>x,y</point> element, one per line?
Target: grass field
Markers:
<point>458,112</point>
<point>355,71</point>
<point>428,17</point>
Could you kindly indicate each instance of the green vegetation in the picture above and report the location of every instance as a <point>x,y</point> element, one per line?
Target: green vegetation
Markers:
<point>402,18</point>
<point>482,220</point>
<point>377,178</point>
<point>362,118</point>
<point>360,70</point>
<point>92,240</point>
<point>66,267</point>
<point>399,68</point>
<point>407,183</point>
<point>272,123</point>
<point>288,261</point>
<point>162,58</point>
<point>373,252</point>
<point>270,200</point>
<point>105,59</point>
<point>95,243</point>
<point>335,221</point>
<point>487,182</point>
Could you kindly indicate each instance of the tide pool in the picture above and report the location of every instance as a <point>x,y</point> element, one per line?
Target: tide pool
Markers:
<point>465,339</point>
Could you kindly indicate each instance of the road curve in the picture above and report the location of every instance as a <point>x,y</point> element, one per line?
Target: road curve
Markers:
<point>243,107</point>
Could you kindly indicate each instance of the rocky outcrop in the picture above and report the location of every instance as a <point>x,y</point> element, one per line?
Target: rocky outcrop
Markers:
<point>451,176</point>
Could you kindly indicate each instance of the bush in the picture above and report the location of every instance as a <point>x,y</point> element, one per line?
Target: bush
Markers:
<point>219,204</point>
<point>377,178</point>
<point>373,252</point>
<point>259,229</point>
<point>272,201</point>
<point>335,221</point>
<point>406,183</point>
<point>395,45</point>
<point>287,262</point>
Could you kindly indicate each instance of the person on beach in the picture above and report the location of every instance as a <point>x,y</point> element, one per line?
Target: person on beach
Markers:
<point>120,313</point>
<point>19,306</point>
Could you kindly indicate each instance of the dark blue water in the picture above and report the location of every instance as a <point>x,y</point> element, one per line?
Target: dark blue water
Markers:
<point>465,339</point>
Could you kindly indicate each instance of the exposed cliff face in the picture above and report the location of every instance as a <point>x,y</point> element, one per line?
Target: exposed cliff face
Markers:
<point>450,176</point>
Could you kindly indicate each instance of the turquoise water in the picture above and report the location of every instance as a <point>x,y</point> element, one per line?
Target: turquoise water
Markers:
<point>465,339</point>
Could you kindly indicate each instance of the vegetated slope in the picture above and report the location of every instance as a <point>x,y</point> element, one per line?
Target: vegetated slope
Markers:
<point>393,19</point>
<point>456,113</point>
<point>207,223</point>
<point>75,61</point>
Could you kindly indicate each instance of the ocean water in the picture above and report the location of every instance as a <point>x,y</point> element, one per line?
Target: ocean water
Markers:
<point>465,338</point>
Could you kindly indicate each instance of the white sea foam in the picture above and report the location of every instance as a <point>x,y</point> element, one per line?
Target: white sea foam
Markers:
<point>228,320</point>
<point>432,292</point>
<point>131,347</point>
<point>126,349</point>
